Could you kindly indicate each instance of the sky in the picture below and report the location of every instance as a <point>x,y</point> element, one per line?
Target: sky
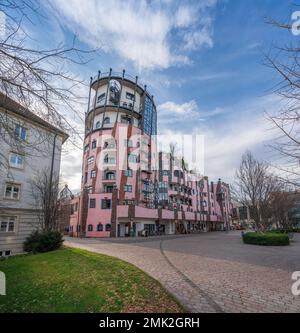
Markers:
<point>202,60</point>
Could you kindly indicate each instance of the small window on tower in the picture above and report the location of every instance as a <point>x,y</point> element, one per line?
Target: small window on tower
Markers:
<point>130,96</point>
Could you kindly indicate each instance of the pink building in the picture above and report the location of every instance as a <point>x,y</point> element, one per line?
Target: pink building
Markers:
<point>128,189</point>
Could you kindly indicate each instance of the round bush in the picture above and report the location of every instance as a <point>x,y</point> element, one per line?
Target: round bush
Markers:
<point>44,241</point>
<point>266,239</point>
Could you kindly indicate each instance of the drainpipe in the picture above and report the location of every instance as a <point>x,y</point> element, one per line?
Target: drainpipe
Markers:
<point>51,171</point>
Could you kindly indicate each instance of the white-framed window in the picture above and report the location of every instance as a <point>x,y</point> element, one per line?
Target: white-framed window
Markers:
<point>12,191</point>
<point>16,160</point>
<point>133,158</point>
<point>127,173</point>
<point>8,223</point>
<point>20,132</point>
<point>94,144</point>
<point>101,98</point>
<point>86,148</point>
<point>129,96</point>
<point>163,185</point>
<point>91,160</point>
<point>126,120</point>
<point>106,120</point>
<point>109,159</point>
<point>127,188</point>
<point>93,174</point>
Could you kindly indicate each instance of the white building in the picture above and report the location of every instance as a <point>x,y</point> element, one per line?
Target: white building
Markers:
<point>28,145</point>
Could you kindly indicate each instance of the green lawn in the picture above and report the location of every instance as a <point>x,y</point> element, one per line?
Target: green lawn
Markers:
<point>72,280</point>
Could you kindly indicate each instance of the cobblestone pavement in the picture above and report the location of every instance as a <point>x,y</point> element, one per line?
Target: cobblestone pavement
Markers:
<point>212,272</point>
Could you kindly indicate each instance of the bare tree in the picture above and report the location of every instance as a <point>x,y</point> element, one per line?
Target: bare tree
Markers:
<point>45,191</point>
<point>281,206</point>
<point>253,186</point>
<point>285,62</point>
<point>39,79</point>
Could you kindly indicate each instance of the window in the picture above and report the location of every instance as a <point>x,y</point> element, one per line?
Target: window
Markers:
<point>127,188</point>
<point>94,144</point>
<point>12,191</point>
<point>106,204</point>
<point>101,98</point>
<point>108,189</point>
<point>86,148</point>
<point>165,173</point>
<point>128,202</point>
<point>106,120</point>
<point>16,160</point>
<point>109,159</point>
<point>85,177</point>
<point>100,227</point>
<point>21,132</point>
<point>108,227</point>
<point>90,227</point>
<point>91,160</point>
<point>163,185</point>
<point>98,124</point>
<point>125,120</point>
<point>132,158</point>
<point>149,120</point>
<point>109,144</point>
<point>127,173</point>
<point>129,96</point>
<point>5,253</point>
<point>163,196</point>
<point>110,175</point>
<point>93,174</point>
<point>92,203</point>
<point>8,223</point>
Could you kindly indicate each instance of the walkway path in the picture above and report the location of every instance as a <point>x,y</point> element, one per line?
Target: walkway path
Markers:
<point>212,272</point>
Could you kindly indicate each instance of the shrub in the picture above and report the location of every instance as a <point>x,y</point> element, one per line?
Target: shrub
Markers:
<point>266,239</point>
<point>44,241</point>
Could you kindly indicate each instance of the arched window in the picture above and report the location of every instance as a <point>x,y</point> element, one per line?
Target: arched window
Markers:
<point>100,227</point>
<point>108,227</point>
<point>110,175</point>
<point>106,120</point>
<point>98,124</point>
<point>90,227</point>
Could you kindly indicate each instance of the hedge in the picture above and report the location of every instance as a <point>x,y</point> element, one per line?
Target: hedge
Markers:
<point>266,239</point>
<point>44,241</point>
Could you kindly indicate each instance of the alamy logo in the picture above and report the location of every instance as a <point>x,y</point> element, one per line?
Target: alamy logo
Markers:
<point>2,284</point>
<point>296,285</point>
<point>296,25</point>
<point>2,24</point>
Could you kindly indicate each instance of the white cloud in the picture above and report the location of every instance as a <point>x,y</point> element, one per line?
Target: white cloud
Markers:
<point>171,113</point>
<point>228,132</point>
<point>196,39</point>
<point>185,109</point>
<point>140,31</point>
<point>71,168</point>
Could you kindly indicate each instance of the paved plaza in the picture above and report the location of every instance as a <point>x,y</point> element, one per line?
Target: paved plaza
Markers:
<point>212,272</point>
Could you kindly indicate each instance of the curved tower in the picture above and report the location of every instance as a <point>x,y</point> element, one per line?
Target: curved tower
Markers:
<point>117,174</point>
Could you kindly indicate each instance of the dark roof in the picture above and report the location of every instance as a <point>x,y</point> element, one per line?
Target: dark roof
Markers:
<point>9,104</point>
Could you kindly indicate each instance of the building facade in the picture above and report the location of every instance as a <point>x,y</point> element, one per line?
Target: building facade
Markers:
<point>127,187</point>
<point>28,145</point>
